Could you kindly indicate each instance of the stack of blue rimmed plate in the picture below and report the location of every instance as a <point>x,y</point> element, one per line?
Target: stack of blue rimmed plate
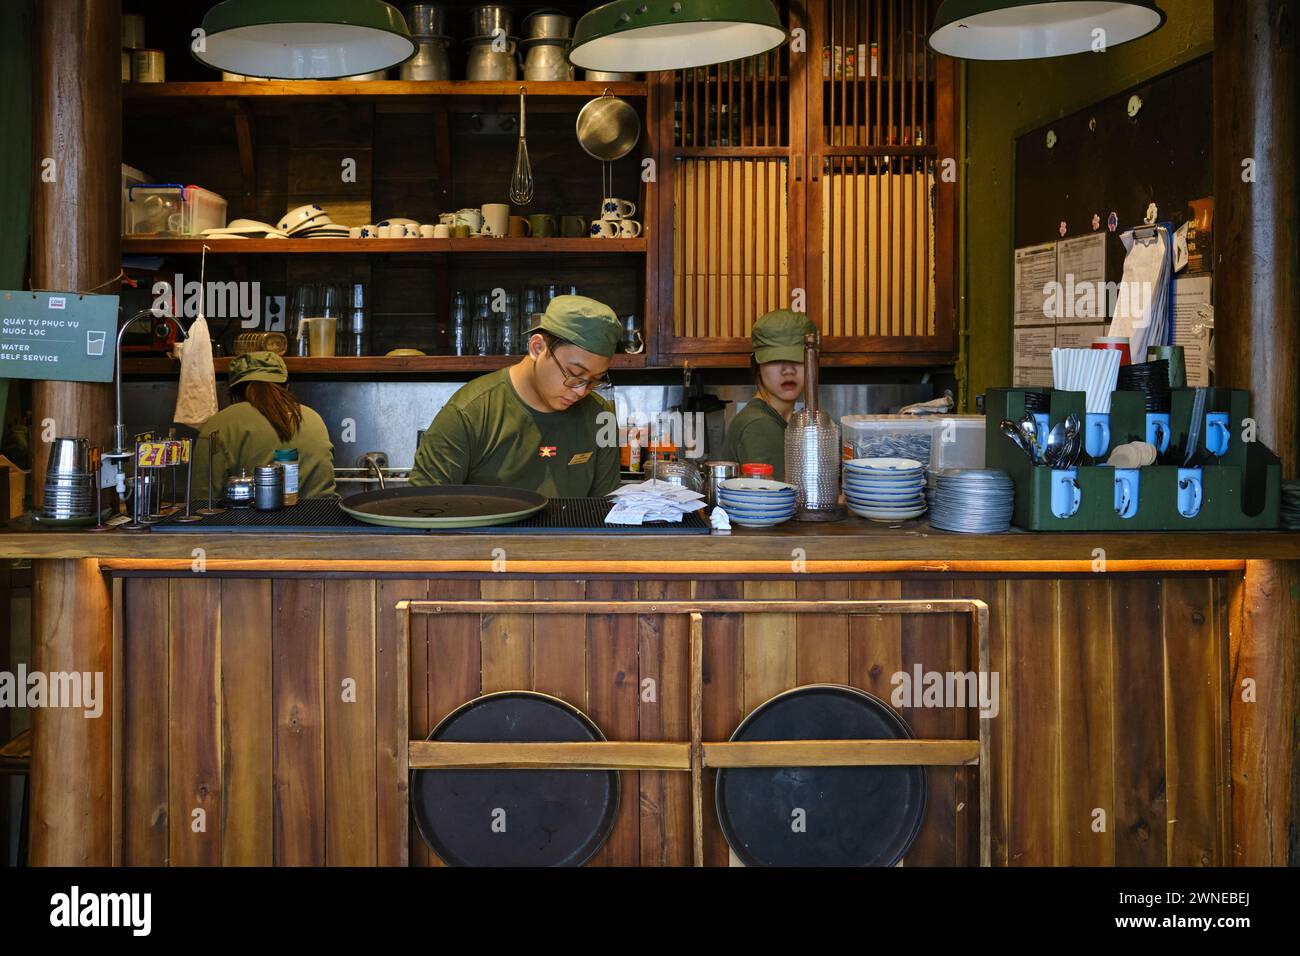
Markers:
<point>885,489</point>
<point>756,502</point>
<point>972,500</point>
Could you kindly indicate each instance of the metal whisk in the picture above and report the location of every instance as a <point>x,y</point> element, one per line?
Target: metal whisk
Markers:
<point>521,183</point>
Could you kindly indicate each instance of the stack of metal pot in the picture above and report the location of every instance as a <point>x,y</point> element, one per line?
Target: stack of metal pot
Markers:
<point>69,482</point>
<point>490,49</point>
<point>428,25</point>
<point>812,449</point>
<point>548,35</point>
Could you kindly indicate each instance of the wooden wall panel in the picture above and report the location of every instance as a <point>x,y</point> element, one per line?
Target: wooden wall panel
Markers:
<point>1087,753</point>
<point>1138,691</point>
<point>821,640</point>
<point>994,594</point>
<point>348,650</point>
<point>663,656</point>
<point>612,701</point>
<point>393,726</point>
<point>1029,706</point>
<point>194,724</point>
<point>507,642</point>
<point>1193,690</point>
<point>724,659</point>
<point>769,655</point>
<point>246,721</point>
<point>299,722</point>
<point>559,663</point>
<point>146,626</point>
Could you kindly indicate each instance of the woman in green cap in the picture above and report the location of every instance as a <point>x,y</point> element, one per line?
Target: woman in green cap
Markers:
<point>757,433</point>
<point>539,424</point>
<point>263,417</point>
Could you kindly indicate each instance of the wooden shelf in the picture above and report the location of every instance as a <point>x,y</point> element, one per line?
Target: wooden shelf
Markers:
<point>368,364</point>
<point>369,91</point>
<point>145,245</point>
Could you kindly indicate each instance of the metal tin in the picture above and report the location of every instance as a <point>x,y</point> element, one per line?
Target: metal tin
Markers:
<point>488,18</point>
<point>426,19</point>
<point>133,31</point>
<point>239,490</point>
<point>268,487</point>
<point>548,24</point>
<point>149,66</point>
<point>716,471</point>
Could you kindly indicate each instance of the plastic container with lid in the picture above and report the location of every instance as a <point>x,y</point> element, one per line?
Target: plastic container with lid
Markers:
<point>757,469</point>
<point>171,209</point>
<point>287,458</point>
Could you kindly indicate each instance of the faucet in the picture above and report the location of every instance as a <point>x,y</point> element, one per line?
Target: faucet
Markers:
<point>119,426</point>
<point>371,463</point>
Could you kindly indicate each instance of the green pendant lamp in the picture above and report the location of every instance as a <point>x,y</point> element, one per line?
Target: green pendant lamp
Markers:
<point>304,39</point>
<point>643,36</point>
<point>1032,29</point>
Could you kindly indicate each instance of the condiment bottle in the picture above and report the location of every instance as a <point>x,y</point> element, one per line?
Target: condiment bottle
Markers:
<point>756,469</point>
<point>287,458</point>
<point>633,449</point>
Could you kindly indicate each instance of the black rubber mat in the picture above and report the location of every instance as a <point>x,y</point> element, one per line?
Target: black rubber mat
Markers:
<point>324,516</point>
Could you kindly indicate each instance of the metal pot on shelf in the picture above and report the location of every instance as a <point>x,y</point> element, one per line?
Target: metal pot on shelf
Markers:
<point>489,18</point>
<point>607,76</point>
<point>485,63</point>
<point>426,19</point>
<point>547,60</point>
<point>548,24</point>
<point>430,62</point>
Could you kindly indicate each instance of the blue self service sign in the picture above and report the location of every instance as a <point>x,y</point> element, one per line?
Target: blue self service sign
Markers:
<point>58,336</point>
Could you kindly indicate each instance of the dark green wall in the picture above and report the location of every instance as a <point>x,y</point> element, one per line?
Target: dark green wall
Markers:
<point>1004,100</point>
<point>15,150</point>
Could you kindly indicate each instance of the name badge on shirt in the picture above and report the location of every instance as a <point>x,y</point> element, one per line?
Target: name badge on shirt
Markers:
<point>581,458</point>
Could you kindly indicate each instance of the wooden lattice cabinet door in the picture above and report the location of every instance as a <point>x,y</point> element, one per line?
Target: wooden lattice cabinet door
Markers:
<point>882,193</point>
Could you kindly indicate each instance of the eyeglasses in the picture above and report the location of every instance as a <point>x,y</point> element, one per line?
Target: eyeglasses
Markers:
<point>574,382</point>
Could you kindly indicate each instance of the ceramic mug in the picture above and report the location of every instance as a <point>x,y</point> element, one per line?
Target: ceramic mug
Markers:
<point>442,231</point>
<point>1065,492</point>
<point>1217,436</point>
<point>426,231</point>
<point>519,227</point>
<point>1190,492</point>
<point>543,225</point>
<point>460,231</point>
<point>469,217</point>
<point>496,219</point>
<point>605,229</point>
<point>369,231</point>
<point>1126,491</point>
<point>354,232</point>
<point>629,228</point>
<point>386,232</point>
<point>1097,434</point>
<point>573,226</point>
<point>1043,426</point>
<point>613,208</point>
<point>1158,430</point>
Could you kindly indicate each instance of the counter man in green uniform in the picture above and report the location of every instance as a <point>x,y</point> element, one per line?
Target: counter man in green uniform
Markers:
<point>264,416</point>
<point>757,433</point>
<point>538,424</point>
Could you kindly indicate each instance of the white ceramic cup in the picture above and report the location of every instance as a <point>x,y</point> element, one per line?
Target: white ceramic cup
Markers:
<point>412,230</point>
<point>469,217</point>
<point>442,231</point>
<point>426,231</point>
<point>613,208</point>
<point>354,232</point>
<point>496,219</point>
<point>629,228</point>
<point>386,232</point>
<point>604,229</point>
<point>369,231</point>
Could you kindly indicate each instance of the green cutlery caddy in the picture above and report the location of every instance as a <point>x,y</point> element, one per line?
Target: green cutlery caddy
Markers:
<point>1240,489</point>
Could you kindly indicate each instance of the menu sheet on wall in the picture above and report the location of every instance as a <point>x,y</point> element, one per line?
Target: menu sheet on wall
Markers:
<point>1061,302</point>
<point>1194,326</point>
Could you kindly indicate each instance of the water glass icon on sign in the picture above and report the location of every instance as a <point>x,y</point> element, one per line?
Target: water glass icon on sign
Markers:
<point>95,343</point>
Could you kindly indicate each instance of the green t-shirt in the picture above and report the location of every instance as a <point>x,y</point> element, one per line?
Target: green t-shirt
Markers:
<point>487,435</point>
<point>245,439</point>
<point>757,434</point>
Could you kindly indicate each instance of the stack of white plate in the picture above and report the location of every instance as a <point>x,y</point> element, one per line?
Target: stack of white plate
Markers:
<point>756,502</point>
<point>972,500</point>
<point>311,222</point>
<point>885,489</point>
<point>244,229</point>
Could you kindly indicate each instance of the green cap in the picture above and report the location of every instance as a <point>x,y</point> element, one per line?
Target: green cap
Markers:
<point>778,336</point>
<point>584,322</point>
<point>257,367</point>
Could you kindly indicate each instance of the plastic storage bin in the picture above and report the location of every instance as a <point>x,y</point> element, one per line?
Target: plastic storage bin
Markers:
<point>170,209</point>
<point>958,442</point>
<point>887,436</point>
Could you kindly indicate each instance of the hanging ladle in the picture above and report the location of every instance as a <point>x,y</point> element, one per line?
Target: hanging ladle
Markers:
<point>521,182</point>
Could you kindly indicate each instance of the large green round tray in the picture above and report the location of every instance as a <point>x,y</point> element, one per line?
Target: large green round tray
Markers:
<point>443,506</point>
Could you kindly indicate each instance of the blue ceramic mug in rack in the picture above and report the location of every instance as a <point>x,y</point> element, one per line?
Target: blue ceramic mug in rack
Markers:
<point>1043,427</point>
<point>1217,436</point>
<point>1158,430</point>
<point>1097,434</point>
<point>1065,492</point>
<point>1190,492</point>
<point>1126,491</point>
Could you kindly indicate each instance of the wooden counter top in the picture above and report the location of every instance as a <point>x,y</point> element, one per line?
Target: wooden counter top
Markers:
<point>853,541</point>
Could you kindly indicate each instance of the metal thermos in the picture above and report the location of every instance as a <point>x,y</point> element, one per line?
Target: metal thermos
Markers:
<point>812,449</point>
<point>268,487</point>
<point>716,472</point>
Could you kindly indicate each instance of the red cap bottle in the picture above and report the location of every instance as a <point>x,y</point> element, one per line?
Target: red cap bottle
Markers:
<point>756,470</point>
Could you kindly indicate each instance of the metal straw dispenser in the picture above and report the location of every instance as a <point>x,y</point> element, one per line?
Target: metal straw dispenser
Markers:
<point>812,449</point>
